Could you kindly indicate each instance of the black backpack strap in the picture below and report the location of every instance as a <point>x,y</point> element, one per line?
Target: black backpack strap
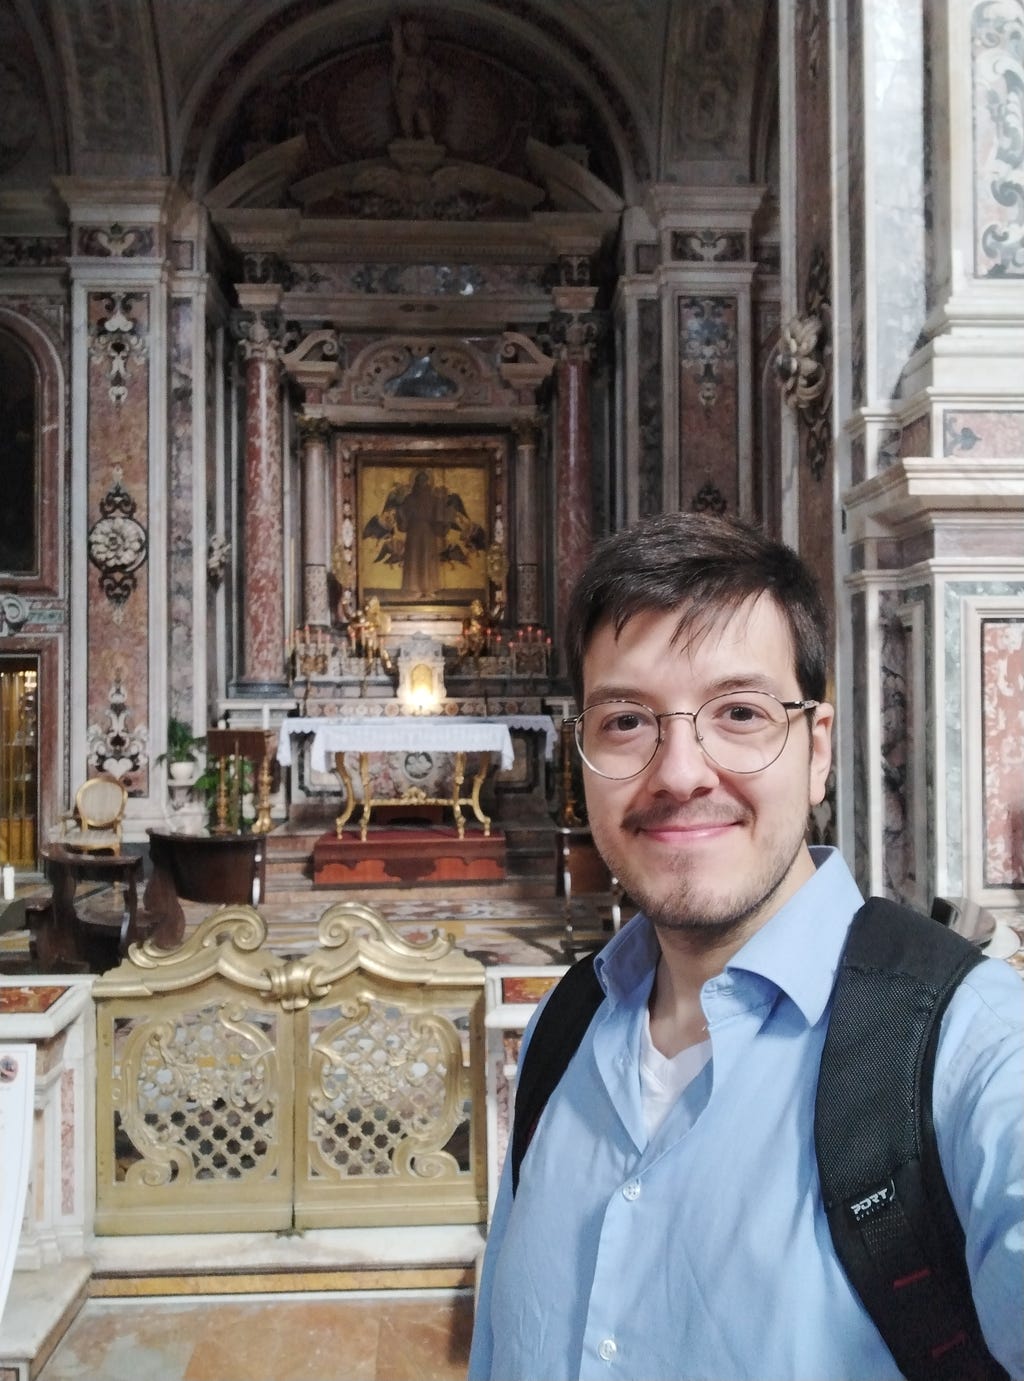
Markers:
<point>565,1017</point>
<point>892,1221</point>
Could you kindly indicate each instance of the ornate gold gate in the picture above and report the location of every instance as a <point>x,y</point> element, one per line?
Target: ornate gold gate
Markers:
<point>243,1089</point>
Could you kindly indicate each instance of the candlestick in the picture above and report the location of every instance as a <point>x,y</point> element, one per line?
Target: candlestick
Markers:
<point>8,875</point>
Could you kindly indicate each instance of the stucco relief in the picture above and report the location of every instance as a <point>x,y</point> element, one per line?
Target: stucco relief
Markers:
<point>27,151</point>
<point>1002,656</point>
<point>112,82</point>
<point>708,246</point>
<point>997,58</point>
<point>710,83</point>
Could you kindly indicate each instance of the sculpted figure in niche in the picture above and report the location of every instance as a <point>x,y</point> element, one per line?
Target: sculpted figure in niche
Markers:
<point>473,642</point>
<point>415,79</point>
<point>375,624</point>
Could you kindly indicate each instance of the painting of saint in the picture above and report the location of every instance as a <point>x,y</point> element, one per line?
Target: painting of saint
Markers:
<point>425,541</point>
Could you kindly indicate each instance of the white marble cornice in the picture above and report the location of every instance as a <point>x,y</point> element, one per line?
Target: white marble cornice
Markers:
<point>918,487</point>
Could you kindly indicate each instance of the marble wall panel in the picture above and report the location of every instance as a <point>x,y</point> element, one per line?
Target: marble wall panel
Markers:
<point>1002,662</point>
<point>954,597</point>
<point>997,71</point>
<point>898,200</point>
<point>906,768</point>
<point>861,739</point>
<point>994,435</point>
<point>181,480</point>
<point>854,53</point>
<point>895,694</point>
<point>767,451</point>
<point>708,403</point>
<point>916,437</point>
<point>651,458</point>
<point>117,698</point>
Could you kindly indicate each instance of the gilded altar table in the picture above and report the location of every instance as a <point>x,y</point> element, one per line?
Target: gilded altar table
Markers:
<point>459,735</point>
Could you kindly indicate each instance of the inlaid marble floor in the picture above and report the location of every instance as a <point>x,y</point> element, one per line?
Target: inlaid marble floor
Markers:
<point>388,1336</point>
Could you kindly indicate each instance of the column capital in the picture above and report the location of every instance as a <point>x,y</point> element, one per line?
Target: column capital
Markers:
<point>575,327</point>
<point>314,429</point>
<point>525,431</point>
<point>258,333</point>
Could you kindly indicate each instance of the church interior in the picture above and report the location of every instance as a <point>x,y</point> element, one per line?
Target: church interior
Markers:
<point>332,336</point>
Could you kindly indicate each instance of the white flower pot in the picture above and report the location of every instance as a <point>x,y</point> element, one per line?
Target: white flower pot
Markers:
<point>180,772</point>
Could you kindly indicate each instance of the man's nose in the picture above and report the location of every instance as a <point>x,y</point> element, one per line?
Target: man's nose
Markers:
<point>680,765</point>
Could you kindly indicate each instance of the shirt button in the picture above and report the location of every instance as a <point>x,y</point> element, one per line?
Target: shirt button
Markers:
<point>608,1349</point>
<point>631,1190</point>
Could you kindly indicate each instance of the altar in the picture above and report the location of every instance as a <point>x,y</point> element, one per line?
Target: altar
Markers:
<point>418,738</point>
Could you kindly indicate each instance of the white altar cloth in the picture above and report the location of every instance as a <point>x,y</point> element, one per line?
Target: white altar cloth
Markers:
<point>394,734</point>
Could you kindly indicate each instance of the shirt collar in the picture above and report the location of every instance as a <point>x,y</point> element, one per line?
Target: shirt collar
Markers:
<point>798,949</point>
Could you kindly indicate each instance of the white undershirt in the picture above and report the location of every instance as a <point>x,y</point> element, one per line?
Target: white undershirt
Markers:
<point>662,1080</point>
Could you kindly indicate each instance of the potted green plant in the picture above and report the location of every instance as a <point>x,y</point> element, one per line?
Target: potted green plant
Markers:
<point>183,749</point>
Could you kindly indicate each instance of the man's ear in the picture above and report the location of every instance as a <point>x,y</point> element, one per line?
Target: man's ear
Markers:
<point>821,751</point>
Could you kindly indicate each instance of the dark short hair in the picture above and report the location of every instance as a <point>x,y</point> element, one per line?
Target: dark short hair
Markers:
<point>703,566</point>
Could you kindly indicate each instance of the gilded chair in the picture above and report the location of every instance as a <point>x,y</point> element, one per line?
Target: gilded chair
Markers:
<point>94,826</point>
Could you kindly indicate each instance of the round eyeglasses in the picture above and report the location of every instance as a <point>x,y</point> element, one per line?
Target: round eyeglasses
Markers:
<point>744,731</point>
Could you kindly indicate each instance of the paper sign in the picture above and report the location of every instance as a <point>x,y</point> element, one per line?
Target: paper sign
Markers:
<point>17,1096</point>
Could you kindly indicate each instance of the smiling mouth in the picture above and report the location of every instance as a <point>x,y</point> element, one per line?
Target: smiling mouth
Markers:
<point>690,831</point>
<point>653,823</point>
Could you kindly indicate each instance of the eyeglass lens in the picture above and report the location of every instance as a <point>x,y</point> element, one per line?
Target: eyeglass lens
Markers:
<point>742,732</point>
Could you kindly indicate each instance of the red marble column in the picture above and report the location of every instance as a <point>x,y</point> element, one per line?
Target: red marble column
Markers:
<point>574,336</point>
<point>263,641</point>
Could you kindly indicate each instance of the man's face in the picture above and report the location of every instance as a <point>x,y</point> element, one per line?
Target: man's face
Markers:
<point>696,847</point>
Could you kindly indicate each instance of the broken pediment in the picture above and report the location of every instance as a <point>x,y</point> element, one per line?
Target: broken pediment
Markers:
<point>416,182</point>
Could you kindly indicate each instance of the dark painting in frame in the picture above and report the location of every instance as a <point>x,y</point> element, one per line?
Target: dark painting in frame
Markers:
<point>424,526</point>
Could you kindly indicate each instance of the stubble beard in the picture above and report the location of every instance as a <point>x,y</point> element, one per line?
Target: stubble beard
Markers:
<point>708,917</point>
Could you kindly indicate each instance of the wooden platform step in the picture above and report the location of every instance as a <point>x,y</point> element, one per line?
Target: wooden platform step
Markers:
<point>409,856</point>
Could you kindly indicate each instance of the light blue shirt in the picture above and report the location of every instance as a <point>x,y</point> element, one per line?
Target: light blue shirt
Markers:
<point>705,1253</point>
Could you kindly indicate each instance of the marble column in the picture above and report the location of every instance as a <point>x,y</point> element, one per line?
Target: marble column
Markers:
<point>529,601</point>
<point>316,520</point>
<point>263,624</point>
<point>574,333</point>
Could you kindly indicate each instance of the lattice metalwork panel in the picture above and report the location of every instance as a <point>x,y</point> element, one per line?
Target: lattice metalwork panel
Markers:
<point>387,1093</point>
<point>201,1092</point>
<point>196,1109</point>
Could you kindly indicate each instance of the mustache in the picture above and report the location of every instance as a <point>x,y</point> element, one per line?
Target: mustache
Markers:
<point>661,813</point>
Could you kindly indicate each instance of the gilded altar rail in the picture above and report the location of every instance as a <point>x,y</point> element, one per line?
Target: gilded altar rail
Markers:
<point>239,1088</point>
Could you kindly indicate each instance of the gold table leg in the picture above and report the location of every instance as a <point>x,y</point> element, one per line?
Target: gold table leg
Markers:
<point>364,776</point>
<point>474,799</point>
<point>349,804</point>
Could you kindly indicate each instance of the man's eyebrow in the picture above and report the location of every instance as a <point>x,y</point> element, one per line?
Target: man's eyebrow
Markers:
<point>723,685</point>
